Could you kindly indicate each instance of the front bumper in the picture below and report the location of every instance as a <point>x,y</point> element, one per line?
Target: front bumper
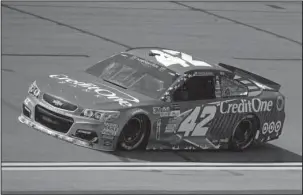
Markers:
<point>104,143</point>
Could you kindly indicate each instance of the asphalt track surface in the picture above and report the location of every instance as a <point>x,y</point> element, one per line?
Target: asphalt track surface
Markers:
<point>41,38</point>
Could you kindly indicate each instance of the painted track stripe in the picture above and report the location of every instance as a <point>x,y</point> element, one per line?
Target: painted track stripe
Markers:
<point>151,168</point>
<point>150,164</point>
<point>67,25</point>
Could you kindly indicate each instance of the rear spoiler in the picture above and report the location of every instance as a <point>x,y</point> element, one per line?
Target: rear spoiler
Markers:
<point>251,76</point>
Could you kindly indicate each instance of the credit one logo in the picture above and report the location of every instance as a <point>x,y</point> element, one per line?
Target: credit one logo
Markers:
<point>253,105</point>
<point>99,91</point>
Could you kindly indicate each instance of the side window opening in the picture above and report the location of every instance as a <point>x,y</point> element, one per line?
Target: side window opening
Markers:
<point>232,88</point>
<point>196,88</point>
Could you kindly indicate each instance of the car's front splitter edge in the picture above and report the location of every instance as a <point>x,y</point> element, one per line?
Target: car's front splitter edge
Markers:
<point>58,135</point>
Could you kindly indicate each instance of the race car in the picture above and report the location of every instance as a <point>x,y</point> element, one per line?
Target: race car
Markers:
<point>156,98</point>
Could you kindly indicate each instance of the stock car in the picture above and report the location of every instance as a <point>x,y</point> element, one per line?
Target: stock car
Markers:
<point>156,98</point>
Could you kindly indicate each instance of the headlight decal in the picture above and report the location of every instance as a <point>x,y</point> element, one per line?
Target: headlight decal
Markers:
<point>28,102</point>
<point>88,113</point>
<point>100,115</point>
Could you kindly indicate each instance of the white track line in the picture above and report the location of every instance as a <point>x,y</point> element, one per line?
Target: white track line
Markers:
<point>162,166</point>
<point>151,168</point>
<point>150,164</point>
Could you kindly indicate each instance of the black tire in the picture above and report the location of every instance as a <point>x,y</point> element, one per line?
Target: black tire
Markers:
<point>244,134</point>
<point>135,133</point>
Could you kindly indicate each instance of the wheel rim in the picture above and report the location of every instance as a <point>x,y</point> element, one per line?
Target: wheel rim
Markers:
<point>132,133</point>
<point>244,134</point>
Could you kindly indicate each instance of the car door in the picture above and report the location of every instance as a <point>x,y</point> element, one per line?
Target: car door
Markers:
<point>193,97</point>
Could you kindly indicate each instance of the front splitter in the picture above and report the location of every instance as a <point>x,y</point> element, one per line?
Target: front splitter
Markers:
<point>58,135</point>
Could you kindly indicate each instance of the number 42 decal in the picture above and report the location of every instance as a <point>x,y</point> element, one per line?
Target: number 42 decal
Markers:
<point>189,124</point>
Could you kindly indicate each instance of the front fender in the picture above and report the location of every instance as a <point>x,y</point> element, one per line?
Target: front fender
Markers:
<point>135,111</point>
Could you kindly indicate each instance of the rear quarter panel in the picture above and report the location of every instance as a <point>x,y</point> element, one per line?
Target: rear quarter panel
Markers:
<point>271,123</point>
<point>266,107</point>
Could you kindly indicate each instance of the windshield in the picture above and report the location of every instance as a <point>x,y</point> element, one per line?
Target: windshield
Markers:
<point>134,73</point>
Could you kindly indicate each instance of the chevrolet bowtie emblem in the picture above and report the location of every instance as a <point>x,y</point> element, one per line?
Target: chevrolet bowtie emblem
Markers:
<point>57,103</point>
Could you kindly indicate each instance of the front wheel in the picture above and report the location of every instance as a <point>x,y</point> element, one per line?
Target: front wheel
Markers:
<point>134,134</point>
<point>244,134</point>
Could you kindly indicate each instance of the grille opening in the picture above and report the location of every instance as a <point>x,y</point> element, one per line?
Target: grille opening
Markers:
<point>87,135</point>
<point>62,104</point>
<point>26,111</point>
<point>53,120</point>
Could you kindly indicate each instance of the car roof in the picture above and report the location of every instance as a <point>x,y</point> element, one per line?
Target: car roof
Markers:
<point>144,52</point>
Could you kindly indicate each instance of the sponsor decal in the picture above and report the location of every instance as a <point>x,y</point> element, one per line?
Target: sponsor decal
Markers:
<point>111,126</point>
<point>253,105</point>
<point>158,110</point>
<point>108,132</point>
<point>226,92</point>
<point>99,92</point>
<point>177,147</point>
<point>174,113</point>
<point>165,111</point>
<point>203,74</point>
<point>270,127</point>
<point>280,103</point>
<point>57,102</point>
<point>174,122</point>
<point>175,106</point>
<point>108,143</point>
<point>278,126</point>
<point>105,136</point>
<point>110,129</point>
<point>190,147</point>
<point>139,111</point>
<point>158,129</point>
<point>170,128</point>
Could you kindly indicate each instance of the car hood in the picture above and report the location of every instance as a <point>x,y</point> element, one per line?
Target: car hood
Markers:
<point>88,91</point>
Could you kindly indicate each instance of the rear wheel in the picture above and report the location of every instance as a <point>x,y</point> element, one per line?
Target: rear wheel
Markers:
<point>134,134</point>
<point>244,134</point>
